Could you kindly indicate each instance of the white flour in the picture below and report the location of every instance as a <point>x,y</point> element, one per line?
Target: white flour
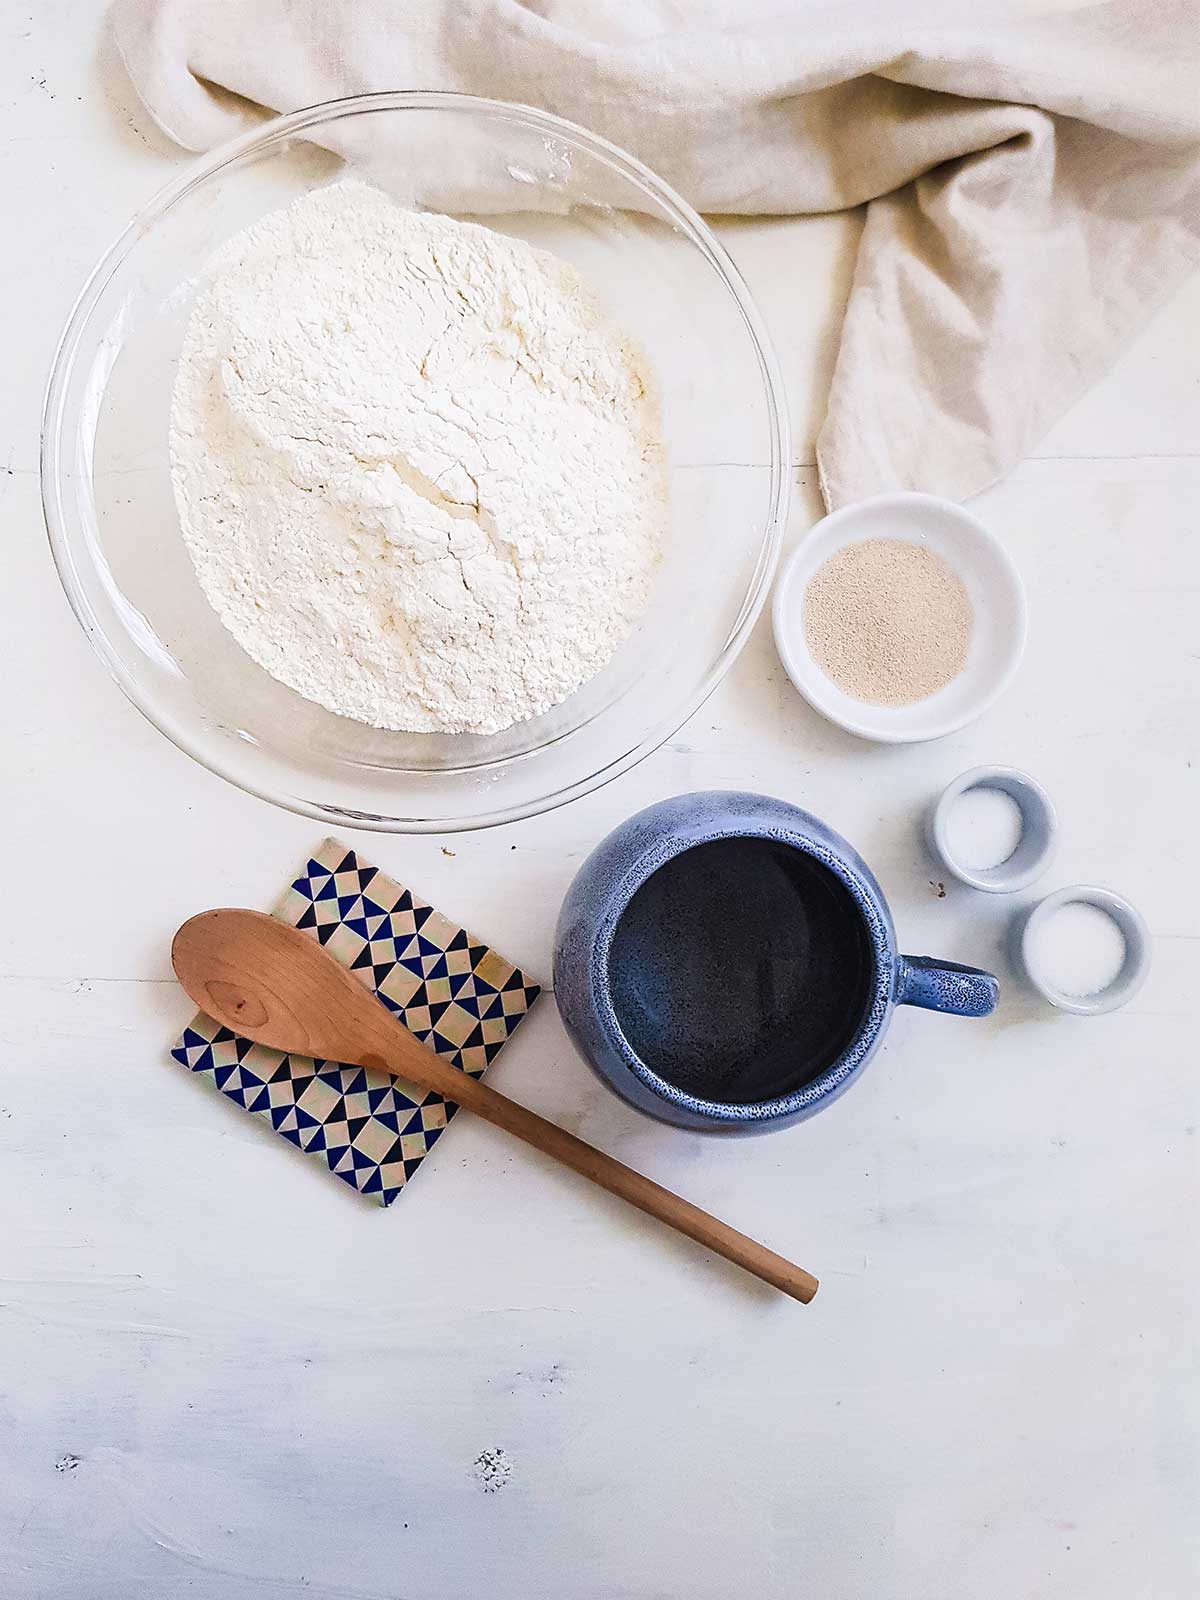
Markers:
<point>417,469</point>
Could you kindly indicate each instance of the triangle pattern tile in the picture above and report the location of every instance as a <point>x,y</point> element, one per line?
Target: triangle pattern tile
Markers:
<point>420,965</point>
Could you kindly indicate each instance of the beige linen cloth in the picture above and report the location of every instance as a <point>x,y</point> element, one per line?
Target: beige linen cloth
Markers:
<point>1030,169</point>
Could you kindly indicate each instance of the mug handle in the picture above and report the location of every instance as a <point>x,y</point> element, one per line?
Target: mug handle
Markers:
<point>945,986</point>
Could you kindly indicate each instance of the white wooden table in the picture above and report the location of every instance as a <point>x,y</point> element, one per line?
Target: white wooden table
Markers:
<point>995,1393</point>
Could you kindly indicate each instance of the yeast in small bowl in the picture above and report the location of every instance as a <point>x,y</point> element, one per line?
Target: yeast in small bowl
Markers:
<point>993,587</point>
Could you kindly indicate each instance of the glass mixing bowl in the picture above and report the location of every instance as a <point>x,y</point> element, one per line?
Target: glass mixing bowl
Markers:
<point>110,510</point>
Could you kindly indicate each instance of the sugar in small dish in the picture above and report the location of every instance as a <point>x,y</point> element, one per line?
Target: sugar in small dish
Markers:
<point>1080,949</point>
<point>900,618</point>
<point>1084,949</point>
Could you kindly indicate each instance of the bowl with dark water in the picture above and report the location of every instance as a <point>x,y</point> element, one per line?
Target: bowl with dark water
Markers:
<point>727,962</point>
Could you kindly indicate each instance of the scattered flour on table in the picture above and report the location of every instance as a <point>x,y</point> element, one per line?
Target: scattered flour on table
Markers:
<point>418,470</point>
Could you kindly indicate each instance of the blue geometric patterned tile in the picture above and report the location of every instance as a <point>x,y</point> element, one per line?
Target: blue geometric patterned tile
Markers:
<point>362,1124</point>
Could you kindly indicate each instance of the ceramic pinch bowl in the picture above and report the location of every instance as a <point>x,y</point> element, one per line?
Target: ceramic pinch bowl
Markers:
<point>1028,940</point>
<point>1035,844</point>
<point>993,587</point>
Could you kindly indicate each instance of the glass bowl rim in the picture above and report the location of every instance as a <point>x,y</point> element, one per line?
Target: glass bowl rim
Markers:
<point>276,130</point>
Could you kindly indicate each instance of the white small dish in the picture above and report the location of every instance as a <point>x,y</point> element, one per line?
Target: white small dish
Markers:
<point>1133,930</point>
<point>993,586</point>
<point>1035,844</point>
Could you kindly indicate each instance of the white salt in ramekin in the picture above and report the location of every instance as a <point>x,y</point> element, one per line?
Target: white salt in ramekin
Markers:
<point>1034,848</point>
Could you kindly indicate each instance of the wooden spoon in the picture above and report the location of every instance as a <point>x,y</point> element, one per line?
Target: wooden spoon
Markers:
<point>273,984</point>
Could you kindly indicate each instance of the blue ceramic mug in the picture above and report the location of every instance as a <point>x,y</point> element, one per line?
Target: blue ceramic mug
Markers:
<point>726,962</point>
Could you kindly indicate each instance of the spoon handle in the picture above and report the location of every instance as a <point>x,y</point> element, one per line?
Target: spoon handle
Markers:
<point>425,1068</point>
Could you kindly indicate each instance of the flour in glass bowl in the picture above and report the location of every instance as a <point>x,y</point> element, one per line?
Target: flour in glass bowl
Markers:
<point>418,470</point>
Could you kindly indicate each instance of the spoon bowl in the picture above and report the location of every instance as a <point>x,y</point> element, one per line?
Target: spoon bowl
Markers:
<point>271,983</point>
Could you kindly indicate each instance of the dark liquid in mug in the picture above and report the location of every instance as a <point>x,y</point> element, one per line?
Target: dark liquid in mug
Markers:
<point>740,970</point>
